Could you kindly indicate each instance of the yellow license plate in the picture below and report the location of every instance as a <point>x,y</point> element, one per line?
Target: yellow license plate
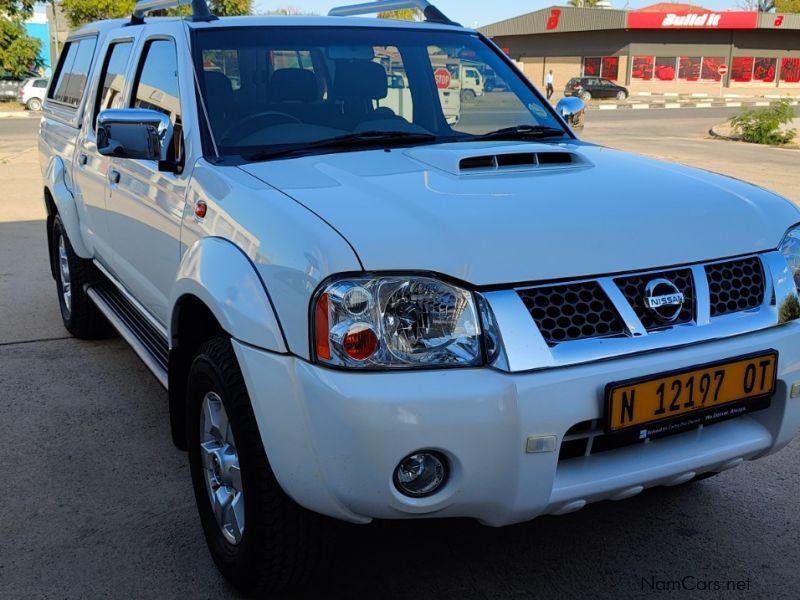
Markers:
<point>674,395</point>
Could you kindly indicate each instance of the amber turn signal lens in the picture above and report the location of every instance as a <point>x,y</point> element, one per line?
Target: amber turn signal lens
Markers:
<point>200,209</point>
<point>360,342</point>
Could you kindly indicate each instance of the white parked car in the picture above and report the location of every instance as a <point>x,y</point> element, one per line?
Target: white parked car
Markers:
<point>32,92</point>
<point>370,315</point>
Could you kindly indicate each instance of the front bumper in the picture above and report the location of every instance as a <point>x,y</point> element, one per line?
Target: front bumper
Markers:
<point>334,438</point>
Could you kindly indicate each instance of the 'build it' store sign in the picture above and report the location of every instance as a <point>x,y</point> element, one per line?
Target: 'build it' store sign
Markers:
<point>693,20</point>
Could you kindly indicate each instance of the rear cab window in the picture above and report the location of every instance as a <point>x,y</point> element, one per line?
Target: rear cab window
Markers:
<point>72,72</point>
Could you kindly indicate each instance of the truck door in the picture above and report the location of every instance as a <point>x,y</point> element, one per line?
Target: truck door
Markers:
<point>145,204</point>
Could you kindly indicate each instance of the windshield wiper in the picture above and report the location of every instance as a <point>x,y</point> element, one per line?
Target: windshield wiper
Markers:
<point>362,139</point>
<point>518,132</point>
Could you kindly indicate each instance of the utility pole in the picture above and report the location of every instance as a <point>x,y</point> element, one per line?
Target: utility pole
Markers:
<point>55,27</point>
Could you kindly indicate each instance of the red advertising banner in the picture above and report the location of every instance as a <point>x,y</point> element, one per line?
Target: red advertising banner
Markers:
<point>693,20</point>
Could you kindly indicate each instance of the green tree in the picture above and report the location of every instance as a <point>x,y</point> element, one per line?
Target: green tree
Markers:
<point>85,11</point>
<point>19,52</point>
<point>404,14</point>
<point>16,9</point>
<point>231,8</point>
<point>787,6</point>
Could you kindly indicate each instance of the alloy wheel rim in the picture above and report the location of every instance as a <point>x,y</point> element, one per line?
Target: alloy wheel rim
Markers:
<point>221,472</point>
<point>66,284</point>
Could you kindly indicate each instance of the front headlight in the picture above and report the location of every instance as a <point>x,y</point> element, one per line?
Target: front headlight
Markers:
<point>790,248</point>
<point>397,322</point>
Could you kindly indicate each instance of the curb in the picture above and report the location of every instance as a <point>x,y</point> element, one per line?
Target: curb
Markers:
<point>662,104</point>
<point>715,134</point>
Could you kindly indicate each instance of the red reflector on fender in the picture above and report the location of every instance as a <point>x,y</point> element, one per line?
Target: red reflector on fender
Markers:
<point>322,327</point>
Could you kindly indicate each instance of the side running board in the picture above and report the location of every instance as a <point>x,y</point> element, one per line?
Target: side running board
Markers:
<point>149,343</point>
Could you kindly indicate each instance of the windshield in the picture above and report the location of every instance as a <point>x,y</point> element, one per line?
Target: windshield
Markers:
<point>271,88</point>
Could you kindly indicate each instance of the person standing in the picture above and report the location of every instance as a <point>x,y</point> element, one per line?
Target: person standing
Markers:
<point>548,83</point>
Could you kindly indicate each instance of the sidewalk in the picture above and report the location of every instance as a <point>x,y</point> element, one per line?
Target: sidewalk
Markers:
<point>666,100</point>
<point>19,114</point>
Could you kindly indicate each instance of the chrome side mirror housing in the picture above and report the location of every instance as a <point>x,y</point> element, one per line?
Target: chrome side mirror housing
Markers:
<point>137,133</point>
<point>572,110</point>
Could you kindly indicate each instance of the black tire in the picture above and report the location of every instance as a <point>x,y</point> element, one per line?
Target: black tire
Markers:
<point>282,543</point>
<point>586,96</point>
<point>34,104</point>
<point>81,317</point>
<point>467,96</point>
<point>622,95</point>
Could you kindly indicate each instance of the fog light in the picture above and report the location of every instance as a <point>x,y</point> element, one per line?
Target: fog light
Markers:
<point>421,474</point>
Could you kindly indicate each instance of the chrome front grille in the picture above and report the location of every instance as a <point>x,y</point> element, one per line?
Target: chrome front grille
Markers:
<point>585,310</point>
<point>547,326</point>
<point>735,285</point>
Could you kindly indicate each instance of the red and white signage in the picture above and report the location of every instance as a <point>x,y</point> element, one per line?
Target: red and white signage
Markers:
<point>693,20</point>
<point>442,77</point>
<point>722,69</point>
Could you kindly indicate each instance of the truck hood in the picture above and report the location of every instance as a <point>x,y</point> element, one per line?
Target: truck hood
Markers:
<point>488,214</point>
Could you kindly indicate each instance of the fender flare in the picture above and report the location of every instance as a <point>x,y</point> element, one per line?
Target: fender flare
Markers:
<point>54,178</point>
<point>220,274</point>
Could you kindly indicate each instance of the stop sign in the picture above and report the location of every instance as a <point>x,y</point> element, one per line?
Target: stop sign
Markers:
<point>722,69</point>
<point>442,77</point>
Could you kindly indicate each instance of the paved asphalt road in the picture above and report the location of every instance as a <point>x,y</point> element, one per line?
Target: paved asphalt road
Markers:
<point>96,502</point>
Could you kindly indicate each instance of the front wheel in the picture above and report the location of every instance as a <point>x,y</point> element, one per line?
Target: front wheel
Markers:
<point>34,104</point>
<point>259,538</point>
<point>73,273</point>
<point>621,95</point>
<point>467,96</point>
<point>586,96</point>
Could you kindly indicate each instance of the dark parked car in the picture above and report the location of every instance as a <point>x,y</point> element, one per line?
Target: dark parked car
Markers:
<point>10,85</point>
<point>587,88</point>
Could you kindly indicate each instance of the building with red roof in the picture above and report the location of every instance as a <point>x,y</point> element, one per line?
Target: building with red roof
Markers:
<point>662,46</point>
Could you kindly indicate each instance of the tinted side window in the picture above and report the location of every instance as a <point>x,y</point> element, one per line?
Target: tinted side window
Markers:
<point>112,78</point>
<point>73,71</point>
<point>40,83</point>
<point>156,87</point>
<point>157,84</point>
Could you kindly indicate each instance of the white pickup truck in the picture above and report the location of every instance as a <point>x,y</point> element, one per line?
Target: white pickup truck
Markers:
<point>361,314</point>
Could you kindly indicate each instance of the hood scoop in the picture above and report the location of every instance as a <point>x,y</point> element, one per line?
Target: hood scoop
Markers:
<point>518,161</point>
<point>482,158</point>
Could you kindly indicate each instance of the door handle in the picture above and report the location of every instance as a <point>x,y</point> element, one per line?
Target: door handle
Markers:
<point>113,176</point>
<point>83,159</point>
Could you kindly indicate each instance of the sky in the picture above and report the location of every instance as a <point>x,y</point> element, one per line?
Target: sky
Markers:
<point>477,13</point>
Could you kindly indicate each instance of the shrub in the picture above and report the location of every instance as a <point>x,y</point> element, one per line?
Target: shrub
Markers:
<point>763,125</point>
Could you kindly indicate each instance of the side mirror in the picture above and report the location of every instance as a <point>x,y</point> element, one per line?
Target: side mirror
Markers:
<point>138,133</point>
<point>571,110</point>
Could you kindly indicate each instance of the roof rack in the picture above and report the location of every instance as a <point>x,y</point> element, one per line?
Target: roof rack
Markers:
<point>428,10</point>
<point>200,10</point>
